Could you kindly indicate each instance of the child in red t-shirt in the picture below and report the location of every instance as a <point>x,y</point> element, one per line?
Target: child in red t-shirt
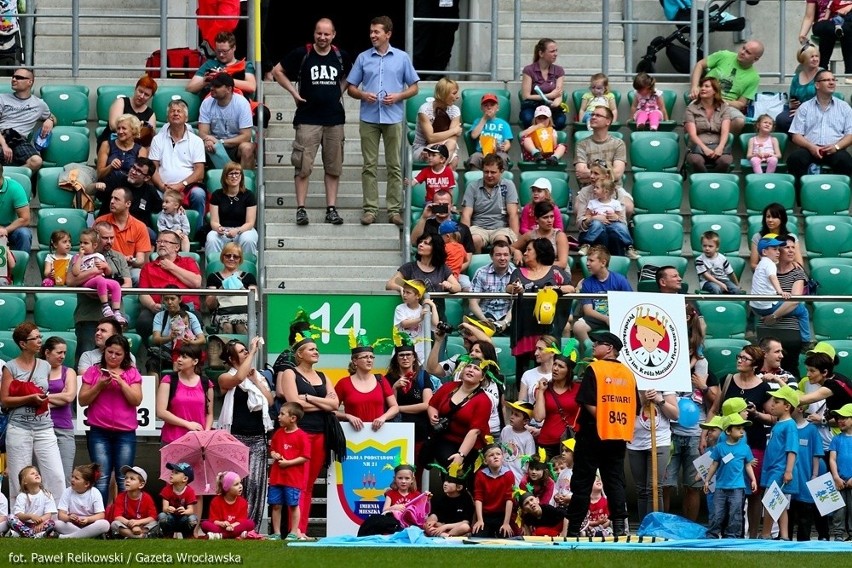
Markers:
<point>438,175</point>
<point>229,510</point>
<point>597,521</point>
<point>290,449</point>
<point>178,502</point>
<point>492,495</point>
<point>133,514</point>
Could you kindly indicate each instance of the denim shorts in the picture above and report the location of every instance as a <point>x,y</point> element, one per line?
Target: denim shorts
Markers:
<point>684,452</point>
<point>283,495</point>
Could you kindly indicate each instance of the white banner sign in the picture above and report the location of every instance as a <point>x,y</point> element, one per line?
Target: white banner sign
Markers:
<point>702,465</point>
<point>4,259</point>
<point>826,496</point>
<point>653,329</point>
<point>774,501</point>
<point>146,413</point>
<point>356,487</point>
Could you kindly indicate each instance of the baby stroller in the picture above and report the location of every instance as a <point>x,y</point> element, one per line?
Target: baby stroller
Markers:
<point>677,44</point>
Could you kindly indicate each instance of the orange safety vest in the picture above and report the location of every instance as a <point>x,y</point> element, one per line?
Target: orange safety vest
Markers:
<point>616,401</point>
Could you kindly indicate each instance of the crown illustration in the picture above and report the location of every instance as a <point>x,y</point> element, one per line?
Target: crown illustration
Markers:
<point>655,323</point>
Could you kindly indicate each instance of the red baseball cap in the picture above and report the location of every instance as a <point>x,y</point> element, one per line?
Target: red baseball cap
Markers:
<point>488,97</point>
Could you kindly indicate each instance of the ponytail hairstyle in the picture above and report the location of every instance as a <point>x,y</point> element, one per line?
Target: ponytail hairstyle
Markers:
<point>89,472</point>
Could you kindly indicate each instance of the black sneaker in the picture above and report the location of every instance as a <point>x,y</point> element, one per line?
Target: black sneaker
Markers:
<point>333,217</point>
<point>302,216</point>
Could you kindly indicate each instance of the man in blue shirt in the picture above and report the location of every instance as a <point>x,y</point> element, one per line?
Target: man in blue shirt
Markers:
<point>382,79</point>
<point>600,281</point>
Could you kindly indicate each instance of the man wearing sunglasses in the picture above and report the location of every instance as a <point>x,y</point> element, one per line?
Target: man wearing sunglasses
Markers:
<point>169,268</point>
<point>601,145</point>
<point>20,110</point>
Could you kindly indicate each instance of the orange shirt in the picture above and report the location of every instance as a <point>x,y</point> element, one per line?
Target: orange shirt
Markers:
<point>616,403</point>
<point>130,240</point>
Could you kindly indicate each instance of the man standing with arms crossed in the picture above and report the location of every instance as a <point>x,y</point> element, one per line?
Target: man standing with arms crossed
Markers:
<point>382,79</point>
<point>320,70</point>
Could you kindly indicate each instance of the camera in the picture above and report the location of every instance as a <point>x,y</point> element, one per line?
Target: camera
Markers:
<point>442,424</point>
<point>444,327</point>
<point>440,208</point>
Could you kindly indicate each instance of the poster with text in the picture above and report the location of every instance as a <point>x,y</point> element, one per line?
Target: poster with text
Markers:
<point>356,487</point>
<point>825,494</point>
<point>653,329</point>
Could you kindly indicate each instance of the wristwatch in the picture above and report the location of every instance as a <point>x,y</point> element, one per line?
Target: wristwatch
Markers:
<point>837,147</point>
<point>185,183</point>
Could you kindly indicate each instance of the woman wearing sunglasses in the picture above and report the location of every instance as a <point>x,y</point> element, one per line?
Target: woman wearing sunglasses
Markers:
<point>233,213</point>
<point>230,313</point>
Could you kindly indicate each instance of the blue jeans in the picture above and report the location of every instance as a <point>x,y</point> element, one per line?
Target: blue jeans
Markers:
<point>713,288</point>
<point>615,236</point>
<point>727,502</point>
<point>197,201</point>
<point>800,313</point>
<point>21,239</point>
<point>184,524</point>
<point>112,449</point>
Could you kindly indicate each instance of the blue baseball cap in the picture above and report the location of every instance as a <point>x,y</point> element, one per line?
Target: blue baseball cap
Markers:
<point>447,227</point>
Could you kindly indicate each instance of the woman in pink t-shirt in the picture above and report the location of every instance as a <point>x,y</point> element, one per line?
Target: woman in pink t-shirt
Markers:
<point>187,406</point>
<point>111,392</point>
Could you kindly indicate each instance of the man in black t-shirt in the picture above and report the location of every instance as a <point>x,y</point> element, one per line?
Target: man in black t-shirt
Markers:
<point>320,70</point>
<point>146,199</point>
<point>430,220</point>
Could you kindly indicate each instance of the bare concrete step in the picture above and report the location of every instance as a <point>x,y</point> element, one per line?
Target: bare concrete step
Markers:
<point>350,217</point>
<point>294,242</point>
<point>345,233</point>
<point>92,26</point>
<point>332,257</point>
<point>310,279</point>
<point>316,202</point>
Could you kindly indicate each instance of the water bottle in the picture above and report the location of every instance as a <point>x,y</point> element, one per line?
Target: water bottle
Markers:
<point>42,142</point>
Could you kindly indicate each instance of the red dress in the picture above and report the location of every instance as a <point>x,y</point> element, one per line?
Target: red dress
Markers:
<point>365,405</point>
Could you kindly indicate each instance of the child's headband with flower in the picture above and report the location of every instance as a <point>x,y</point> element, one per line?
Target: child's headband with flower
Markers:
<point>455,473</point>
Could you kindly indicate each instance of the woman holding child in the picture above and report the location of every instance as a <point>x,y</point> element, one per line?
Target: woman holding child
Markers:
<point>439,122</point>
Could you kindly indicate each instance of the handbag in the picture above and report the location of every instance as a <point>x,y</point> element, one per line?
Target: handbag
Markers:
<point>570,431</point>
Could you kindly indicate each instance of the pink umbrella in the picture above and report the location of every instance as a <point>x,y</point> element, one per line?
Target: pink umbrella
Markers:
<point>209,452</point>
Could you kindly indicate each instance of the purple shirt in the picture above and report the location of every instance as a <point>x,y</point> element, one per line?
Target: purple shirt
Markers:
<point>61,415</point>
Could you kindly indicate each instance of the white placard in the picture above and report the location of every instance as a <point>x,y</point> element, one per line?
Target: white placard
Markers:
<point>4,259</point>
<point>825,494</point>
<point>653,329</point>
<point>357,486</point>
<point>774,501</point>
<point>146,413</point>
<point>702,465</point>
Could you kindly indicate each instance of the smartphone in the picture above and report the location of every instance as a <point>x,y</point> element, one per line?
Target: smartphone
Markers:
<point>440,208</point>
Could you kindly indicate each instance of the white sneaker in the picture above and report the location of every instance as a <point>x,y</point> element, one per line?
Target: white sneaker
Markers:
<point>584,250</point>
<point>631,253</point>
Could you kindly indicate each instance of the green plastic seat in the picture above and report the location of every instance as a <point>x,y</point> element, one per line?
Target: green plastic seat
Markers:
<point>54,311</point>
<point>746,137</point>
<point>825,194</point>
<point>657,217</point>
<point>213,180</point>
<point>106,95</point>
<point>832,320</point>
<point>724,319</point>
<point>505,359</point>
<point>413,104</point>
<point>22,258</point>
<point>49,192</point>
<point>135,341</point>
<point>652,262</point>
<point>843,347</point>
<point>818,262</point>
<point>471,108</point>
<point>660,238</point>
<point>214,266</point>
<point>763,189</point>
<point>8,349</point>
<point>834,280</point>
<point>469,177</point>
<point>714,193</point>
<point>728,229</point>
<point>166,94</point>
<point>738,264</point>
<point>477,261</point>
<point>453,311</point>
<point>580,135</point>
<point>577,100</point>
<point>45,89</point>
<point>721,355</point>
<point>67,145</point>
<point>620,264</point>
<point>669,100</point>
<point>662,195</point>
<point>23,179</point>
<point>55,218</point>
<point>455,346</point>
<point>560,192</point>
<point>654,152</point>
<point>70,107</point>
<point>828,238</point>
<point>13,309</point>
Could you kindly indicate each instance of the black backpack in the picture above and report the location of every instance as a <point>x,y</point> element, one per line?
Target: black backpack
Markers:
<point>379,525</point>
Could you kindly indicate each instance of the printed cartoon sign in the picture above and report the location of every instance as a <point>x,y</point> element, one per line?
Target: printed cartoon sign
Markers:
<point>825,494</point>
<point>653,329</point>
<point>356,487</point>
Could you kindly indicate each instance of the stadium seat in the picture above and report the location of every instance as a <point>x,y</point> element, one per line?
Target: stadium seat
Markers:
<point>67,145</point>
<point>577,100</point>
<point>106,96</point>
<point>54,218</point>
<point>712,193</point>
<point>560,192</point>
<point>828,238</point>
<point>70,107</point>
<point>728,228</point>
<point>654,152</point>
<point>832,320</point>
<point>505,359</point>
<point>455,346</point>
<point>659,238</point>
<point>193,255</point>
<point>135,341</point>
<point>544,166</point>
<point>453,311</point>
<point>8,349</point>
<point>22,259</point>
<point>23,179</point>
<point>13,310</point>
<point>662,195</point>
<point>620,264</point>
<point>738,264</point>
<point>648,263</point>
<point>825,194</point>
<point>818,262</point>
<point>724,319</point>
<point>657,217</point>
<point>669,100</point>
<point>49,192</point>
<point>54,311</point>
<point>413,104</point>
<point>477,261</point>
<point>471,109</point>
<point>45,89</point>
<point>721,355</point>
<point>844,355</point>
<point>166,94</point>
<point>745,138</point>
<point>763,189</point>
<point>213,180</point>
<point>834,280</point>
